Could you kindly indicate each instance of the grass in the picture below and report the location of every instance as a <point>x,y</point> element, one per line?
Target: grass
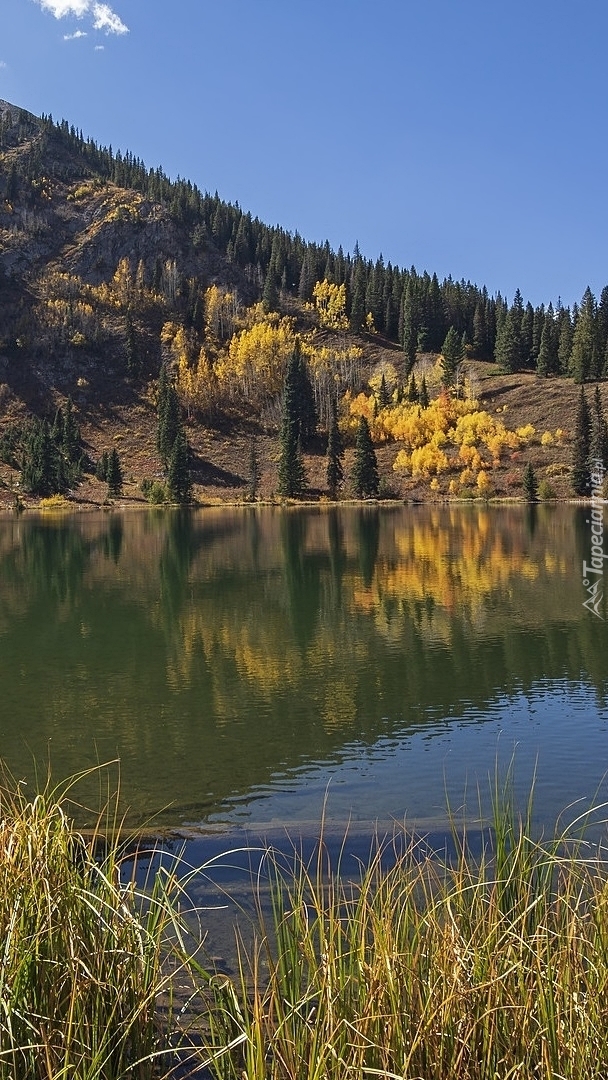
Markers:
<point>417,967</point>
<point>469,969</point>
<point>82,956</point>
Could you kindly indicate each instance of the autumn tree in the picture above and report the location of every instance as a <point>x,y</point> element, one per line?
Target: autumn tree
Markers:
<point>330,302</point>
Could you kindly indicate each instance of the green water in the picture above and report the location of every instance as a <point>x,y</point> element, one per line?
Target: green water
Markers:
<point>239,661</point>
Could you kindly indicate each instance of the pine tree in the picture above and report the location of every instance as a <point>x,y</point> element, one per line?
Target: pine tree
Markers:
<point>178,474</point>
<point>580,448</point>
<point>270,295</point>
<point>452,354</point>
<point>547,361</point>
<point>479,331</point>
<point>101,469</point>
<point>169,418</point>
<point>70,434</point>
<point>526,336</point>
<point>506,350</point>
<point>564,347</point>
<point>410,330</point>
<point>305,397</point>
<point>114,477</point>
<point>365,468</point>
<point>530,483</point>
<point>412,391</point>
<point>598,441</point>
<point>335,454</point>
<point>424,394</point>
<point>583,355</point>
<point>42,470</point>
<point>291,467</point>
<point>254,472</point>
<point>384,397</point>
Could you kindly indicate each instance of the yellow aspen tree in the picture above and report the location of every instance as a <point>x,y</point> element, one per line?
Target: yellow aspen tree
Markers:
<point>330,302</point>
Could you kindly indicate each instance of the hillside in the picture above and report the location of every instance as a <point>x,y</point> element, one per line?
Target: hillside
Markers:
<point>109,270</point>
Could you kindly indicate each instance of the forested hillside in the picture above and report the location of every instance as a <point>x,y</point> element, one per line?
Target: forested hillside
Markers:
<point>147,332</point>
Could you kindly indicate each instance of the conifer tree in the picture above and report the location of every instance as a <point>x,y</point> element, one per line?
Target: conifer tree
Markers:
<point>178,474</point>
<point>547,362</point>
<point>410,331</point>
<point>424,394</point>
<point>365,468</point>
<point>169,418</point>
<point>383,394</point>
<point>70,434</point>
<point>270,295</point>
<point>580,448</point>
<point>530,483</point>
<point>564,347</point>
<point>598,441</point>
<point>291,467</point>
<point>479,331</point>
<point>335,454</point>
<point>114,477</point>
<point>255,476</point>
<point>583,355</point>
<point>412,391</point>
<point>452,354</point>
<point>101,469</point>
<point>506,350</point>
<point>305,397</point>
<point>42,471</point>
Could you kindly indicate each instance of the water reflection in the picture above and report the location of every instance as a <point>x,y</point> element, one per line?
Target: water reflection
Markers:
<point>220,652</point>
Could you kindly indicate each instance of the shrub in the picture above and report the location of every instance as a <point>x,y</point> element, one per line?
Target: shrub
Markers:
<point>154,491</point>
<point>558,468</point>
<point>545,491</point>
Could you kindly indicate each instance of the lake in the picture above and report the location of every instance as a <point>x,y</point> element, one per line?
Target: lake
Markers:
<point>246,665</point>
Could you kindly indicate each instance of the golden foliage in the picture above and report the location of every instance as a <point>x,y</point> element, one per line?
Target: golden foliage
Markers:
<point>330,302</point>
<point>221,308</point>
<point>256,358</point>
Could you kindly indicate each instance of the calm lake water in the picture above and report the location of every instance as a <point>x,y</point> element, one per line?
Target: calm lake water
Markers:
<point>246,664</point>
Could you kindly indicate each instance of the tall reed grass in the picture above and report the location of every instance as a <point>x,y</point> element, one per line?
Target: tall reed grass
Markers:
<point>82,956</point>
<point>486,968</point>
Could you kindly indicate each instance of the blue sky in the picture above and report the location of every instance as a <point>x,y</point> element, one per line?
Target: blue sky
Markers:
<point>460,136</point>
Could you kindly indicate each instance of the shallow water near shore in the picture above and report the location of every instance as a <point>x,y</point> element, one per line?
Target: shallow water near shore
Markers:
<point>250,667</point>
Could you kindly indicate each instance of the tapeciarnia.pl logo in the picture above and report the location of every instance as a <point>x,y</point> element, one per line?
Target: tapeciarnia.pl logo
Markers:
<point>593,572</point>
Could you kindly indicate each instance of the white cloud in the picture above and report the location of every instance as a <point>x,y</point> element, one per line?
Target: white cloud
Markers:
<point>99,48</point>
<point>60,8</point>
<point>3,64</point>
<point>103,16</point>
<point>108,20</point>
<point>74,37</point>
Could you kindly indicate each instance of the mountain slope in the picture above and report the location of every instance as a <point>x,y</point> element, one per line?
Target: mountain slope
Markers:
<point>108,269</point>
